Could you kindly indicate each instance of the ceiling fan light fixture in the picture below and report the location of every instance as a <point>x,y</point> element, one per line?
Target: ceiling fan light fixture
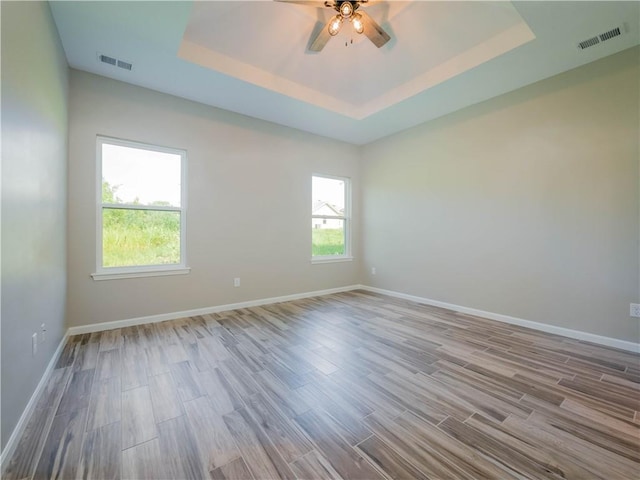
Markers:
<point>358,24</point>
<point>346,9</point>
<point>335,25</point>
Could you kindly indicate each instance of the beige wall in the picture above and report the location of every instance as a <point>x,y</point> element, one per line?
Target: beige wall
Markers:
<point>525,205</point>
<point>34,166</point>
<point>241,172</point>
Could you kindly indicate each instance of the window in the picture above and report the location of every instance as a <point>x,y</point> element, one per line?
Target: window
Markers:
<point>141,210</point>
<point>330,217</point>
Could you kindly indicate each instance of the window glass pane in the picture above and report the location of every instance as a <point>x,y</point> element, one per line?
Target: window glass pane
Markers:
<point>140,237</point>
<point>327,238</point>
<point>140,177</point>
<point>328,197</point>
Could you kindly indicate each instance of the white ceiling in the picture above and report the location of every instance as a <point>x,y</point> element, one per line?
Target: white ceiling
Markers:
<point>252,58</point>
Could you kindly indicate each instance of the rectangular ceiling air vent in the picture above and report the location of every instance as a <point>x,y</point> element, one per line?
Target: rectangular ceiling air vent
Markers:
<point>115,62</point>
<point>610,34</point>
<point>125,65</point>
<point>603,37</point>
<point>588,43</point>
<point>109,60</point>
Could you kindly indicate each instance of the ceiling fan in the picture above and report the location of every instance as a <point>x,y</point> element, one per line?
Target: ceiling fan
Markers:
<point>349,11</point>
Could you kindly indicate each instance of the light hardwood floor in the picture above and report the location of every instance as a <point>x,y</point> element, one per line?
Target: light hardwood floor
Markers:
<point>352,385</point>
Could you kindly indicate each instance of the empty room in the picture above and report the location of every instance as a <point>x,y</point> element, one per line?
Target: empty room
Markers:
<point>320,239</point>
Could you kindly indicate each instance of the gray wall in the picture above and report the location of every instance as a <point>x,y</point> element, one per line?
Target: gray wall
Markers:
<point>525,205</point>
<point>249,203</point>
<point>34,196</point>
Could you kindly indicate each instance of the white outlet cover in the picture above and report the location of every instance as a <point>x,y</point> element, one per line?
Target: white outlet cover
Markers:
<point>634,309</point>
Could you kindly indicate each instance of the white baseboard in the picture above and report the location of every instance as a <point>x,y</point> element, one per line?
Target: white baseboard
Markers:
<point>16,435</point>
<point>544,327</point>
<point>98,327</point>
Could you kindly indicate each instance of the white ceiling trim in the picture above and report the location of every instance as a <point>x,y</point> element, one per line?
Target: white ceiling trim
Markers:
<point>207,58</point>
<point>493,47</point>
<point>502,43</point>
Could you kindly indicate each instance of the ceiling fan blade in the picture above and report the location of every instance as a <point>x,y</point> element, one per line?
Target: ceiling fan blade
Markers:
<point>308,3</point>
<point>373,31</point>
<point>322,37</point>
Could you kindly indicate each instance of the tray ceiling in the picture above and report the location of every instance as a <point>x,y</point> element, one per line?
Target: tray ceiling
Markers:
<point>251,57</point>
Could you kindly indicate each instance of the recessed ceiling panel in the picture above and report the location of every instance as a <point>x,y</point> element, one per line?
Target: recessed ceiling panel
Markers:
<point>266,44</point>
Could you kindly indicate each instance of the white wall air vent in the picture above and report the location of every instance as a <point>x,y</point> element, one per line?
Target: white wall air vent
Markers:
<point>114,62</point>
<point>603,37</point>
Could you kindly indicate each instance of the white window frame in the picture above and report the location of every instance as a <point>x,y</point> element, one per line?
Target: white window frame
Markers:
<point>112,273</point>
<point>346,257</point>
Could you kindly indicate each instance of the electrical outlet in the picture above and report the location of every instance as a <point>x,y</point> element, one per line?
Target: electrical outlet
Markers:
<point>34,344</point>
<point>373,270</point>
<point>236,282</point>
<point>634,309</point>
<point>43,333</point>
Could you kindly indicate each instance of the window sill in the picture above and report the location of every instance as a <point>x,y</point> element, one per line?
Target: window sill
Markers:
<point>140,273</point>
<point>331,259</point>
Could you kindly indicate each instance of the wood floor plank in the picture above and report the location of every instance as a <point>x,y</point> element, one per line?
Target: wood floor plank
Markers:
<point>430,462</point>
<point>234,470</point>
<point>176,352</point>
<point>78,392</point>
<point>134,368</point>
<point>511,460</point>
<point>222,395</point>
<point>105,406</point>
<point>109,364</point>
<point>179,450</point>
<point>215,443</point>
<point>87,356</point>
<point>29,449</point>
<point>61,454</point>
<point>318,362</point>
<point>54,389</point>
<point>111,339</point>
<point>257,450</point>
<point>241,381</point>
<point>313,465</point>
<point>375,401</point>
<point>185,376</point>
<point>69,352</point>
<point>521,442</point>
<point>465,458</point>
<point>197,356</point>
<point>595,459</point>
<point>101,453</point>
<point>288,400</point>
<point>285,435</point>
<point>348,419</point>
<point>598,419</point>
<point>344,459</point>
<point>157,360</point>
<point>408,401</point>
<point>143,462</point>
<point>165,400</point>
<point>138,424</point>
<point>388,460</point>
